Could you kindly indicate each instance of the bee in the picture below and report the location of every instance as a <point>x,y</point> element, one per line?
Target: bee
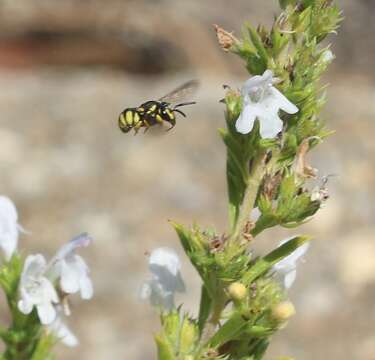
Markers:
<point>155,112</point>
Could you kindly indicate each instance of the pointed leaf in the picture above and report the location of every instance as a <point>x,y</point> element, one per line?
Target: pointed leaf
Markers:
<point>264,264</point>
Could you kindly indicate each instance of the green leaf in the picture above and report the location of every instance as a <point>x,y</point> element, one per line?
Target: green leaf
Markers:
<point>231,329</point>
<point>204,308</point>
<point>258,44</point>
<point>264,264</point>
<point>44,347</point>
<point>184,236</point>
<point>259,331</point>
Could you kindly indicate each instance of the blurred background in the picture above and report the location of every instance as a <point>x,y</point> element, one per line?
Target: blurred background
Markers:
<point>68,68</point>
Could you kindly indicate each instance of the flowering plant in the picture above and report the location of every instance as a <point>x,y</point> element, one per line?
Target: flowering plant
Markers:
<point>272,123</point>
<point>37,291</point>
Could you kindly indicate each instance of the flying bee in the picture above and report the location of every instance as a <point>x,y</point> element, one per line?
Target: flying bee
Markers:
<point>155,112</point>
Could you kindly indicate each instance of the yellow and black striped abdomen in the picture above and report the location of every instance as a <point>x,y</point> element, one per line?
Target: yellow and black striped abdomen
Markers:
<point>128,119</point>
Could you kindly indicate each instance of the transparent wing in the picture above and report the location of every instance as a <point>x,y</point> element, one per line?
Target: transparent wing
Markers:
<point>181,93</point>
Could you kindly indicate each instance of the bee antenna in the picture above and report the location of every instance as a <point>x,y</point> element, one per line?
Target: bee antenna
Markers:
<point>179,111</point>
<point>185,103</point>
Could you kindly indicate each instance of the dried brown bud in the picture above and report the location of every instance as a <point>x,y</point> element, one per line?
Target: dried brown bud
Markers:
<point>226,39</point>
<point>211,353</point>
<point>300,166</point>
<point>246,233</point>
<point>217,243</point>
<point>271,184</point>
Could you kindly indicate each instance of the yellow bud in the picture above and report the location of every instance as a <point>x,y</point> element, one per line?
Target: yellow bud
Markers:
<point>283,311</point>
<point>237,291</point>
<point>187,336</point>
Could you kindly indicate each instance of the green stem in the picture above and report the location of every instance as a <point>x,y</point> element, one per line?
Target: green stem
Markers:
<point>210,326</point>
<point>251,192</point>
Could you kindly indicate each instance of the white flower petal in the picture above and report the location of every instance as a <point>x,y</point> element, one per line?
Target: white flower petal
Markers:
<point>9,242</point>
<point>283,103</point>
<point>46,312</point>
<point>166,258</point>
<point>257,81</point>
<point>145,291</point>
<point>34,266</point>
<point>245,121</point>
<point>8,209</point>
<point>71,269</point>
<point>288,265</point>
<point>289,279</point>
<point>49,291</point>
<point>82,240</point>
<point>69,280</point>
<point>263,101</point>
<point>255,214</point>
<point>270,125</point>
<point>8,227</point>
<point>180,285</point>
<point>87,290</point>
<point>36,290</point>
<point>164,265</point>
<point>62,332</point>
<point>25,306</point>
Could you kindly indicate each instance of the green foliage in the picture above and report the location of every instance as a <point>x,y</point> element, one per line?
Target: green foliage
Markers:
<point>10,273</point>
<point>270,174</point>
<point>293,206</point>
<point>263,265</point>
<point>178,338</point>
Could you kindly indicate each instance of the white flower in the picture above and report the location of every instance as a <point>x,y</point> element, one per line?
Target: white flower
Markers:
<point>62,332</point>
<point>288,266</point>
<point>262,101</point>
<point>166,279</point>
<point>37,290</point>
<point>327,56</point>
<point>72,269</point>
<point>9,227</point>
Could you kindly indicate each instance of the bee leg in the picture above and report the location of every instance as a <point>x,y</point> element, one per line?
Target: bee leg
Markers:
<point>170,128</point>
<point>147,126</point>
<point>137,128</point>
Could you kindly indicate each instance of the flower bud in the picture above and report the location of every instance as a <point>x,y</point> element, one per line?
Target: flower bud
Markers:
<point>283,311</point>
<point>226,39</point>
<point>237,291</point>
<point>188,335</point>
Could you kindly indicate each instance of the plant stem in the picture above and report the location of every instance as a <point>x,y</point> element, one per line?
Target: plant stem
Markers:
<point>251,192</point>
<point>213,321</point>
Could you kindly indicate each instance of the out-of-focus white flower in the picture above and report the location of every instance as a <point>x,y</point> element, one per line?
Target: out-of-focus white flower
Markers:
<point>255,214</point>
<point>37,290</point>
<point>262,101</point>
<point>166,279</point>
<point>288,266</point>
<point>9,227</point>
<point>71,269</point>
<point>61,331</point>
<point>327,56</point>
